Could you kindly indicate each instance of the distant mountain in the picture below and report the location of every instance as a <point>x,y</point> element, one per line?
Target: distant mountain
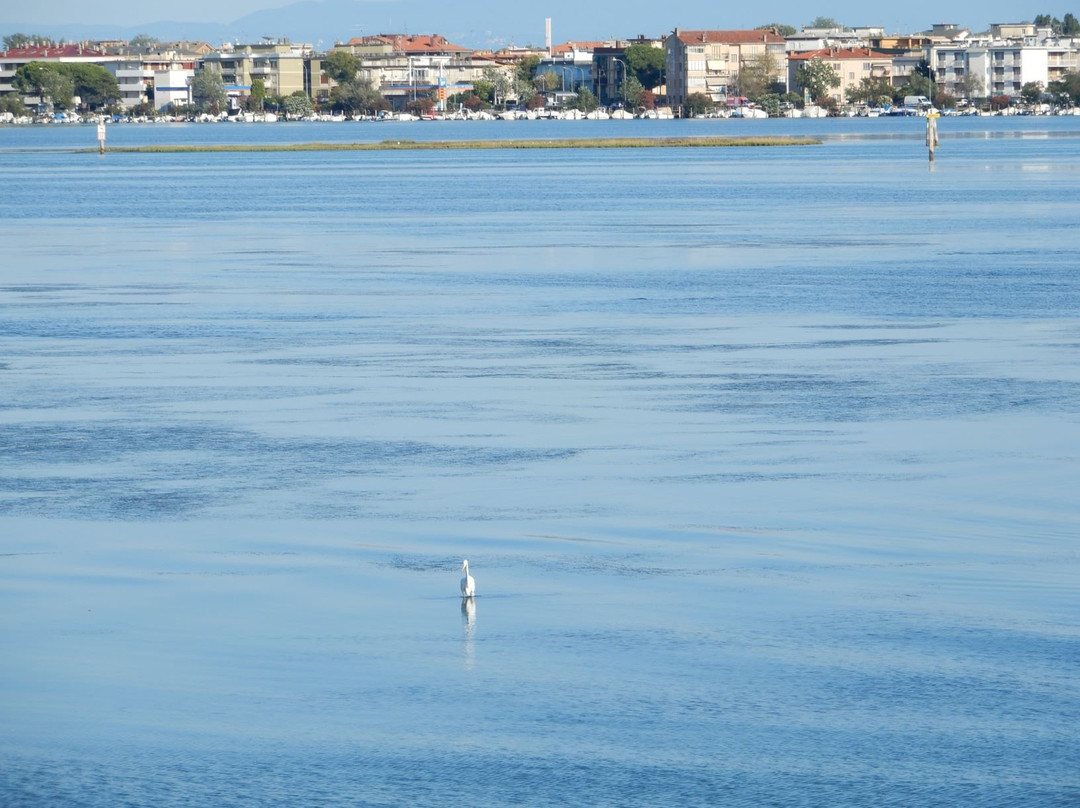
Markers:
<point>479,24</point>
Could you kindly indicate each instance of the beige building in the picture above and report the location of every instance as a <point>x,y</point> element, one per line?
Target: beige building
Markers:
<point>708,62</point>
<point>283,67</point>
<point>852,65</point>
<point>404,67</point>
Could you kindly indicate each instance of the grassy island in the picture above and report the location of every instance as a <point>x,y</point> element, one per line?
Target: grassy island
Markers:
<point>437,145</point>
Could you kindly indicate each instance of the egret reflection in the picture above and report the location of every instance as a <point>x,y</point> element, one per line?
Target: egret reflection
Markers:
<point>468,627</point>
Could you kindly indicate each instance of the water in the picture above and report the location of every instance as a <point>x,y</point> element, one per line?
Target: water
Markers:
<point>764,461</point>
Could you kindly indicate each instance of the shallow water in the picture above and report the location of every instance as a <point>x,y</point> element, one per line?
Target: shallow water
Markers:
<point>764,460</point>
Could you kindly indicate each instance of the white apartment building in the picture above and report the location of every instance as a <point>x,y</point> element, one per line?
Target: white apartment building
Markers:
<point>981,67</point>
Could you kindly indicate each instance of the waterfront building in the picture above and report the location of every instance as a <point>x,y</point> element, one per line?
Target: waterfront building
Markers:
<point>709,62</point>
<point>283,66</point>
<point>572,63</point>
<point>406,67</point>
<point>990,65</point>
<point>14,58</point>
<point>852,65</point>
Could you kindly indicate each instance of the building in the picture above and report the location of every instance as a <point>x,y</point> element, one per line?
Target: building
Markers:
<point>407,67</point>
<point>852,65</point>
<point>283,67</point>
<point>985,66</point>
<point>11,60</point>
<point>708,62</point>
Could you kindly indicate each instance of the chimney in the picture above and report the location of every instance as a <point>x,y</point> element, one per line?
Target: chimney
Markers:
<point>547,35</point>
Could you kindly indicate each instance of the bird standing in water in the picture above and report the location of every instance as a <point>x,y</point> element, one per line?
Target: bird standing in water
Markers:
<point>468,585</point>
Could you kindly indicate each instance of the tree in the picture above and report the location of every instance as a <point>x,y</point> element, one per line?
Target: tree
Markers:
<point>13,104</point>
<point>257,99</point>
<point>999,102</point>
<point>26,41</point>
<point>357,97</point>
<point>1070,26</point>
<point>585,100</point>
<point>420,106</point>
<point>872,90</point>
<point>944,101</point>
<point>917,84</point>
<point>523,76</point>
<point>47,81</point>
<point>770,102</point>
<point>208,91</point>
<point>646,64</point>
<point>1067,89</point>
<point>697,104</point>
<point>631,91</point>
<point>824,22</point>
<point>817,77</point>
<point>1031,92</point>
<point>755,77</point>
<point>970,85</point>
<point>547,81</point>
<point>779,27</point>
<point>498,82</point>
<point>297,105</point>
<point>143,41</point>
<point>341,66</point>
<point>95,85</point>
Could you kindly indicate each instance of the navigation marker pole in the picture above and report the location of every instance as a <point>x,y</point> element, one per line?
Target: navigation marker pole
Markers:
<point>101,138</point>
<point>931,133</point>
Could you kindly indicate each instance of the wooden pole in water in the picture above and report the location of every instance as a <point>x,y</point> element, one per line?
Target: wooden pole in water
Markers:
<point>931,133</point>
<point>101,138</point>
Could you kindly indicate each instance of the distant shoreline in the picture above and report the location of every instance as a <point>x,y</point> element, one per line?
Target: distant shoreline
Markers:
<point>436,145</point>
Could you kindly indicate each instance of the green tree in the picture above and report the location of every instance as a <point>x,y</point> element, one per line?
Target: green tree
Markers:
<point>917,84</point>
<point>1070,26</point>
<point>779,27</point>
<point>95,85</point>
<point>499,84</point>
<point>297,105</point>
<point>697,104</point>
<point>824,22</point>
<point>26,41</point>
<point>357,97</point>
<point>631,91</point>
<point>547,81</point>
<point>756,76</point>
<point>257,98</point>
<point>1031,92</point>
<point>13,104</point>
<point>143,41</point>
<point>208,91</point>
<point>1067,89</point>
<point>817,77</point>
<point>872,90</point>
<point>646,64</point>
<point>585,100</point>
<point>523,76</point>
<point>770,102</point>
<point>340,66</point>
<point>47,81</point>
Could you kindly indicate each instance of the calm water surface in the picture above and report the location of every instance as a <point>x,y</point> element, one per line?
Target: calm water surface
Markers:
<point>765,462</point>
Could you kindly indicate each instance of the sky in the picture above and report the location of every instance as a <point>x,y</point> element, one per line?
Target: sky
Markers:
<point>482,21</point>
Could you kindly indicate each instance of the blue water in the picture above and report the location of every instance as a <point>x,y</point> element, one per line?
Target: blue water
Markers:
<point>764,461</point>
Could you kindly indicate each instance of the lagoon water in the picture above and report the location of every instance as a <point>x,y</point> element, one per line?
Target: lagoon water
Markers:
<point>765,462</point>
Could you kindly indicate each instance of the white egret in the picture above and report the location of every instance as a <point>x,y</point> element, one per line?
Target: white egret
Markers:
<point>468,585</point>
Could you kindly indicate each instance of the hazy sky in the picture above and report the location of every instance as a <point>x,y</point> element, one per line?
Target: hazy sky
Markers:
<point>571,19</point>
